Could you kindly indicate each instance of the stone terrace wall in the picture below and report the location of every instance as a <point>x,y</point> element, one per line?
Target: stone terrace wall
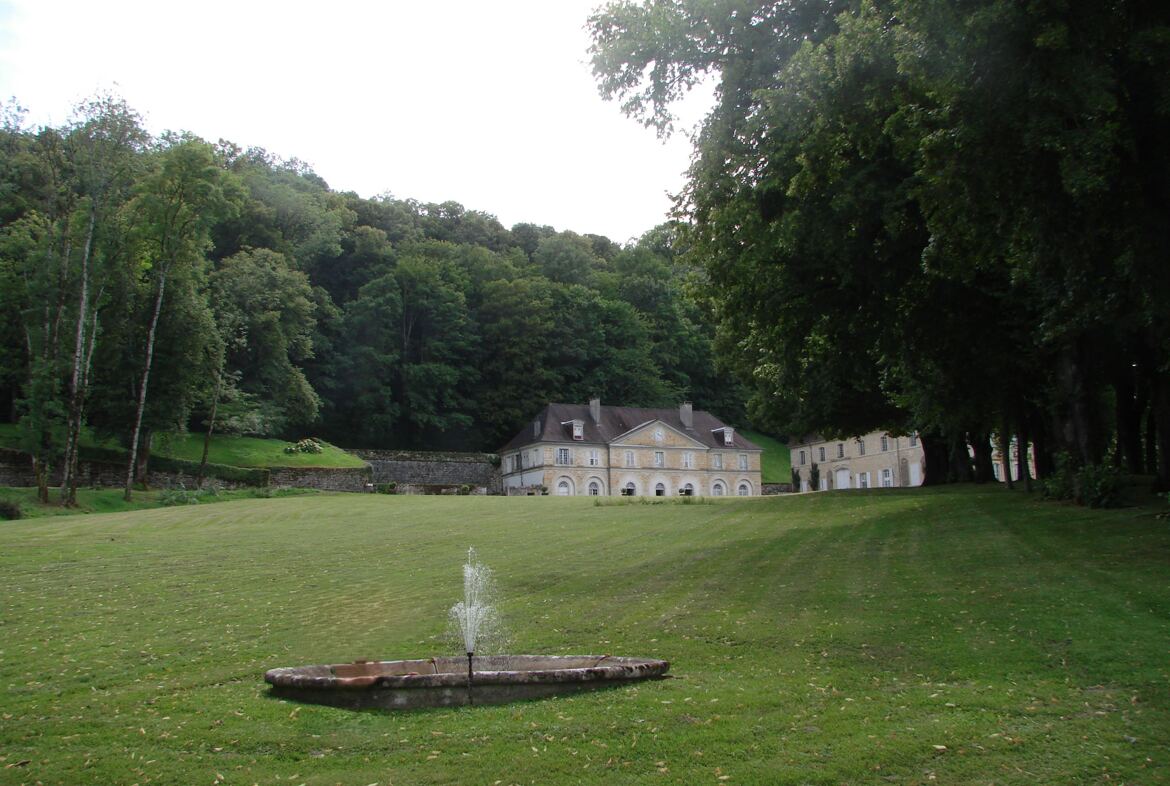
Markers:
<point>776,488</point>
<point>16,470</point>
<point>434,468</point>
<point>326,479</point>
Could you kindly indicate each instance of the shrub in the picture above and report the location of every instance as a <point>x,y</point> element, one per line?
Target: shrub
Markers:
<point>10,510</point>
<point>179,496</point>
<point>387,488</point>
<point>307,445</point>
<point>1098,486</point>
<point>464,490</point>
<point>1061,483</point>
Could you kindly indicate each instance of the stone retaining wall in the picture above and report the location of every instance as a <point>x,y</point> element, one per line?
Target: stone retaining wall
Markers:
<point>416,468</point>
<point>326,479</point>
<point>776,488</point>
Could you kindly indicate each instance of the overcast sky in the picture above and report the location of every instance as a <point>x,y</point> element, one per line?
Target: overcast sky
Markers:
<point>490,104</point>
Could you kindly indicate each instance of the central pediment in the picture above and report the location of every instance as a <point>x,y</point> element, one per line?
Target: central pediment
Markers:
<point>657,434</point>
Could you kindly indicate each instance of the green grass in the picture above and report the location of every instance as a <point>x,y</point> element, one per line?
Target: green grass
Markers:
<point>225,449</point>
<point>253,452</point>
<point>776,463</point>
<point>888,636</point>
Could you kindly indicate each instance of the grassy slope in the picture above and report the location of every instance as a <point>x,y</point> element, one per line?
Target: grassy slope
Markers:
<point>776,462</point>
<point>226,449</point>
<point>830,638</point>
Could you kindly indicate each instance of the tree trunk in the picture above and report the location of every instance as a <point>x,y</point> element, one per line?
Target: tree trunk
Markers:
<point>42,476</point>
<point>141,407</point>
<point>959,470</point>
<point>210,427</point>
<point>1151,437</point>
<point>144,457</point>
<point>1160,416</point>
<point>1129,407</point>
<point>935,449</point>
<point>76,392</point>
<point>981,445</point>
<point>1083,427</point>
<point>1022,470</point>
<point>1005,455</point>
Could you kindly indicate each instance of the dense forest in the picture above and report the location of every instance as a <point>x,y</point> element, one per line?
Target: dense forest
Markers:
<point>154,285</point>
<point>945,215</point>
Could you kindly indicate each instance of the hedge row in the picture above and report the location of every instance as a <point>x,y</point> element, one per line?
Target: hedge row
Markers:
<point>246,475</point>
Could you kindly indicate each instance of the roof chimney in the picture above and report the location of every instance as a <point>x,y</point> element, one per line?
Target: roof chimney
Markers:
<point>536,429</point>
<point>595,410</point>
<point>687,415</point>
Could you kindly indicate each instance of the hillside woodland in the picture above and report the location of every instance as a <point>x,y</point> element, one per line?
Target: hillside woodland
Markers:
<point>156,285</point>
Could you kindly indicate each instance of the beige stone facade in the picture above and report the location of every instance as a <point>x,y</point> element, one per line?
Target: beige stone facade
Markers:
<point>875,460</point>
<point>656,457</point>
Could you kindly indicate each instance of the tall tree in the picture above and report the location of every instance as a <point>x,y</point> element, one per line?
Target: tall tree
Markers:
<point>176,204</point>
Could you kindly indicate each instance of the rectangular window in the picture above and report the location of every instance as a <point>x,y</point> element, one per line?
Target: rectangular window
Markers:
<point>563,456</point>
<point>802,461</point>
<point>535,459</point>
<point>659,458</point>
<point>717,461</point>
<point>887,478</point>
<point>743,461</point>
<point>885,444</point>
<point>861,447</point>
<point>840,450</point>
<point>629,458</point>
<point>594,459</point>
<point>688,460</point>
<point>913,440</point>
<point>863,480</point>
<point>821,453</point>
<point>578,429</point>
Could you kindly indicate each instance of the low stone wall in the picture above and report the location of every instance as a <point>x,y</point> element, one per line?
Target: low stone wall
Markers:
<point>326,479</point>
<point>416,468</point>
<point>16,470</point>
<point>769,489</point>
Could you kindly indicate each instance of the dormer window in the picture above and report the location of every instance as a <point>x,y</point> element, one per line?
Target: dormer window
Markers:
<point>728,434</point>
<point>578,428</point>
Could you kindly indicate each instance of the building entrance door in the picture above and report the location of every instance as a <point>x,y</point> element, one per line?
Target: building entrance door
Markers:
<point>842,479</point>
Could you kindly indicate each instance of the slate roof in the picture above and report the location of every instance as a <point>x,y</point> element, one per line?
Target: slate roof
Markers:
<point>616,421</point>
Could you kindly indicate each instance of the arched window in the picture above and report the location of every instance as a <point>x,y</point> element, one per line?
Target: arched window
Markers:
<point>688,490</point>
<point>660,490</point>
<point>717,490</point>
<point>594,488</point>
<point>563,489</point>
<point>744,490</point>
<point>631,490</point>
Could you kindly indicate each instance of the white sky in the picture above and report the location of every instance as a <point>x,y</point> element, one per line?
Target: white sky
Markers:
<point>490,104</point>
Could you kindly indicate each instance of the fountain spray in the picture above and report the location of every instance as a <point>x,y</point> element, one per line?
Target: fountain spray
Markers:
<point>474,614</point>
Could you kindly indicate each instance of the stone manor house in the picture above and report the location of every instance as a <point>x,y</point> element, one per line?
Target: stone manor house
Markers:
<point>591,450</point>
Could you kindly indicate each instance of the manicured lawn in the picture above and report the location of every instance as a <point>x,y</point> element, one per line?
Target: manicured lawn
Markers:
<point>885,636</point>
<point>776,463</point>
<point>225,449</point>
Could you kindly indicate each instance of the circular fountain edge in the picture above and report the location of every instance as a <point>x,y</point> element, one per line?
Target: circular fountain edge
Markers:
<point>442,682</point>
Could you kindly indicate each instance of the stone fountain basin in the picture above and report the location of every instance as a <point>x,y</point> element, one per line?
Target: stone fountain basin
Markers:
<point>442,682</point>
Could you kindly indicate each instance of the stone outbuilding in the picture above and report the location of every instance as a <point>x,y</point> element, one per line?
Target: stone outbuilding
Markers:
<point>875,460</point>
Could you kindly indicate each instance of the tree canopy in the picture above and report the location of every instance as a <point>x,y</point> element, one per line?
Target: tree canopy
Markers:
<point>932,214</point>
